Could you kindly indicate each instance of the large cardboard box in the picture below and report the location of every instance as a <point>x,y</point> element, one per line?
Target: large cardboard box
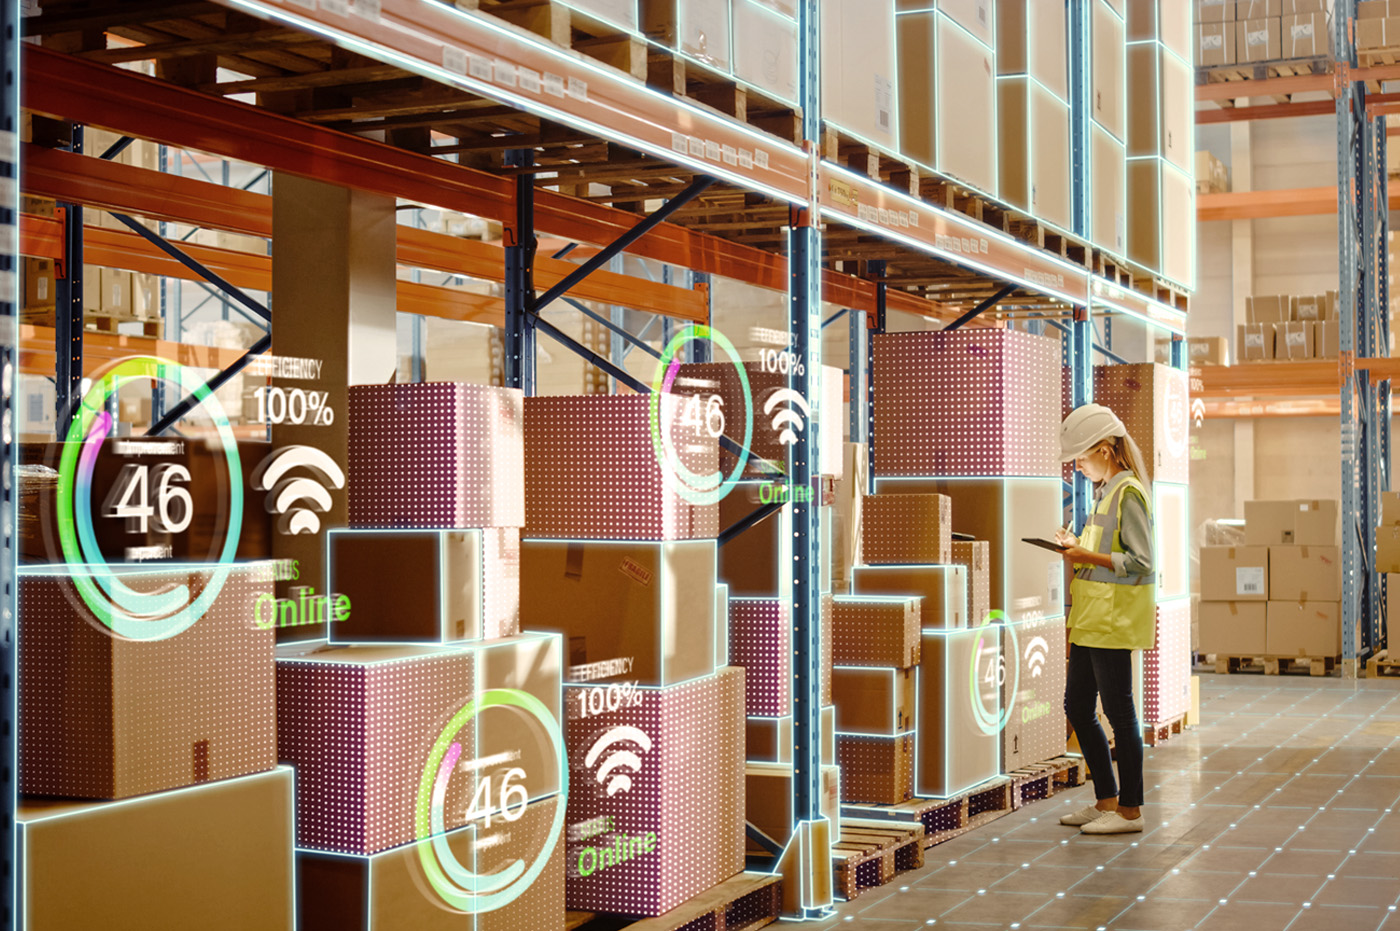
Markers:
<point>240,878</point>
<point>1108,65</point>
<point>1305,35</point>
<point>1270,523</point>
<point>976,557</point>
<point>1256,342</point>
<point>1268,308</point>
<point>1200,350</point>
<point>1233,628</point>
<point>876,770</point>
<point>1326,336</point>
<point>698,29</point>
<point>1305,573</point>
<point>1027,582</point>
<point>1165,22</point>
<point>444,455</point>
<point>858,69</point>
<point>848,527</point>
<point>1317,523</point>
<point>1032,693</point>
<point>115,703</point>
<point>959,743</point>
<point>755,563</point>
<point>870,630</point>
<point>360,758</point>
<point>768,795</point>
<point>637,612</point>
<point>1390,507</point>
<point>1215,44</point>
<point>1211,174</point>
<point>1153,401</point>
<point>1257,40</point>
<point>338,892</point>
<point>1032,41</point>
<point>1304,628</point>
<point>873,700</point>
<point>942,64</point>
<point>665,774</point>
<point>765,49</point>
<point>942,588</point>
<point>1035,149</point>
<point>907,529</point>
<point>39,284</point>
<point>1257,9</point>
<point>116,292</point>
<point>966,402</point>
<point>769,740</point>
<point>1109,195</point>
<point>1160,121</point>
<point>1162,205</point>
<point>1214,11</point>
<point>1293,340</point>
<point>1235,573</point>
<point>979,17</point>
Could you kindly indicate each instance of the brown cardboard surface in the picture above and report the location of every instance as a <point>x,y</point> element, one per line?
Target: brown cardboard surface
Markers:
<point>1326,334</point>
<point>1234,573</point>
<point>942,588</point>
<point>1257,9</point>
<point>876,770</point>
<point>848,518</point>
<point>1031,41</point>
<point>1257,40</point>
<point>872,631</point>
<point>1109,228</point>
<point>955,752</point>
<point>768,797</point>
<point>1160,118</point>
<point>1305,35</point>
<point>907,529</point>
<point>1168,23</point>
<point>1153,401</point>
<point>1108,41</point>
<point>1267,308</point>
<point>1293,340</point>
<point>1317,523</point>
<point>1035,654</point>
<point>976,556</point>
<point>874,700</point>
<point>1270,523</point>
<point>1305,573</point>
<point>1200,350</point>
<point>765,48</point>
<point>644,610</point>
<point>1309,628</point>
<point>1035,152</point>
<point>1388,548</point>
<point>1214,11</point>
<point>1390,507</point>
<point>858,68</point>
<point>752,563</point>
<point>38,274</point>
<point>1234,628</point>
<point>1215,44</point>
<point>236,874</point>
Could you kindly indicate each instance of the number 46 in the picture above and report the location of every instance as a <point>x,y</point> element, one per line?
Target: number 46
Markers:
<point>130,498</point>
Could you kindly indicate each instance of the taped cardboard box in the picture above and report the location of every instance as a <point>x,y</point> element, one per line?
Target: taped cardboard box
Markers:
<point>874,701</point>
<point>1035,151</point>
<point>1032,695</point>
<point>1212,176</point>
<point>1305,573</point>
<point>907,529</point>
<point>1326,334</point>
<point>876,770</point>
<point>1200,350</point>
<point>1214,11</point>
<point>1388,548</point>
<point>958,746</point>
<point>1031,41</point>
<point>769,740</point>
<point>639,612</point>
<point>1234,573</point>
<point>698,29</point>
<point>1257,9</point>
<point>976,557</point>
<point>858,69</point>
<point>241,860</point>
<point>1107,63</point>
<point>39,284</point>
<point>768,797</point>
<point>765,49</point>
<point>1160,121</point>
<point>1317,523</point>
<point>868,630</point>
<point>1304,628</point>
<point>1268,308</point>
<point>1153,401</point>
<point>1233,628</point>
<point>1270,523</point>
<point>1293,340</point>
<point>942,588</point>
<point>1215,44</point>
<point>107,714</point>
<point>1167,23</point>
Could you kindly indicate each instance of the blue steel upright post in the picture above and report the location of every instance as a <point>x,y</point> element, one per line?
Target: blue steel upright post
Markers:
<point>9,491</point>
<point>68,318</point>
<point>877,270</point>
<point>1381,404</point>
<point>1079,350</point>
<point>519,360</point>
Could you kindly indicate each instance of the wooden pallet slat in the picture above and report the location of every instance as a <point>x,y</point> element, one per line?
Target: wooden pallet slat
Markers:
<point>872,853</point>
<point>1270,664</point>
<point>744,902</point>
<point>1160,732</point>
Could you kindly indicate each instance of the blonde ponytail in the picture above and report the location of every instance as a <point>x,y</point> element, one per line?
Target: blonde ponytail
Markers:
<point>1126,454</point>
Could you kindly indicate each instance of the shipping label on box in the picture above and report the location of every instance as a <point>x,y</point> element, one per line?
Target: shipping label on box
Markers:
<point>1234,573</point>
<point>1305,573</point>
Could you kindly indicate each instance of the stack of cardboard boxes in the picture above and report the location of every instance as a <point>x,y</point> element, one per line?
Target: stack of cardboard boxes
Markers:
<point>1377,25</point>
<point>1248,32</point>
<point>1280,593</point>
<point>1212,177</point>
<point>1200,350</point>
<point>1283,327</point>
<point>1388,549</point>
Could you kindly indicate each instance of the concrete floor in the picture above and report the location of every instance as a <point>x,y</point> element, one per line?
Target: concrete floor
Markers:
<point>1277,813</point>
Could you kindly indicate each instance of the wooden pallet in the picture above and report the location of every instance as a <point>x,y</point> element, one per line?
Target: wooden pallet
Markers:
<point>1161,732</point>
<point>871,853</point>
<point>96,321</point>
<point>742,903</point>
<point>604,42</point>
<point>1382,665</point>
<point>1270,664</point>
<point>671,72</point>
<point>870,160</point>
<point>1216,74</point>
<point>1042,780</point>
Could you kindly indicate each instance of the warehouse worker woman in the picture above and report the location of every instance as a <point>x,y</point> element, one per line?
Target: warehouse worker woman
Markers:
<point>1114,613</point>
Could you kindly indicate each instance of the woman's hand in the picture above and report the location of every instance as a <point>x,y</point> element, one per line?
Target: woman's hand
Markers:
<point>1065,538</point>
<point>1075,553</point>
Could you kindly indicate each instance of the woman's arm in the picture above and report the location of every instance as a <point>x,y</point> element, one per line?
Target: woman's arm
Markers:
<point>1135,534</point>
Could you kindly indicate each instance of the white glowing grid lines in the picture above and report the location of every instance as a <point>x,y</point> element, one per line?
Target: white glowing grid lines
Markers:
<point>1171,522</point>
<point>487,57</point>
<point>1035,730</point>
<point>721,624</point>
<point>942,590</point>
<point>591,470</point>
<point>953,752</point>
<point>909,529</point>
<point>976,555</point>
<point>681,617</point>
<point>967,402</point>
<point>769,739</point>
<point>105,717</point>
<point>876,770</point>
<point>1166,668</point>
<point>127,891</point>
<point>476,594</point>
<point>874,701</point>
<point>435,455</point>
<point>1153,401</point>
<point>885,85</point>
<point>688,793</point>
<point>875,630</point>
<point>760,641</point>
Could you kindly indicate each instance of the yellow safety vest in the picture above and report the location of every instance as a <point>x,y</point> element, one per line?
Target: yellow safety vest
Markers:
<point>1109,611</point>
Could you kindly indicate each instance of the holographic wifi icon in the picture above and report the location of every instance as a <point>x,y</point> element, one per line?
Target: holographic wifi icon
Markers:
<point>621,764</point>
<point>298,498</point>
<point>787,418</point>
<point>1036,653</point>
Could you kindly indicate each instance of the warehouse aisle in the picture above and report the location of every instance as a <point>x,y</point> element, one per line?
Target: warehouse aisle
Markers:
<point>1276,814</point>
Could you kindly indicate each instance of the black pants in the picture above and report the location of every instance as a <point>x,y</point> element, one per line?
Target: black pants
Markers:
<point>1095,672</point>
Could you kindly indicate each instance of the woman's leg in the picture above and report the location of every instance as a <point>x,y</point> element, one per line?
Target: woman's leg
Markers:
<point>1113,670</point>
<point>1081,707</point>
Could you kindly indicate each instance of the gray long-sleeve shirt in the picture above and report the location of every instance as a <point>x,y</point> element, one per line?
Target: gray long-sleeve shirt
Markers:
<point>1135,534</point>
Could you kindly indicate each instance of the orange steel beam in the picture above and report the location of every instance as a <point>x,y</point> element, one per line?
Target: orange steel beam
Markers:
<point>130,103</point>
<point>1268,87</point>
<point>1266,112</point>
<point>1376,73</point>
<point>1311,407</point>
<point>36,350</point>
<point>1251,379</point>
<point>1256,205</point>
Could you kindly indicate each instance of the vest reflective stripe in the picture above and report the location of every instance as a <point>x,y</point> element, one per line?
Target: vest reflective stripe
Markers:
<point>1110,611</point>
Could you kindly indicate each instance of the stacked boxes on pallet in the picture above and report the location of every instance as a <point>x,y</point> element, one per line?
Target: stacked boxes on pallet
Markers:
<point>654,721</point>
<point>1281,326</point>
<point>1033,109</point>
<point>1108,127</point>
<point>423,729</point>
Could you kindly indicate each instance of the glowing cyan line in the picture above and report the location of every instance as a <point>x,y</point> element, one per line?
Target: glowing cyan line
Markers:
<point>989,723</point>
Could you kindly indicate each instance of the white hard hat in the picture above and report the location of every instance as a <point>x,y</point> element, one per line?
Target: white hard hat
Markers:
<point>1086,427</point>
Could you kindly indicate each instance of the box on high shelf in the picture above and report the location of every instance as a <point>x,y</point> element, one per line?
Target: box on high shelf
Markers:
<point>1293,340</point>
<point>1305,35</point>
<point>40,286</point>
<point>1160,84</point>
<point>1233,628</point>
<point>1167,23</point>
<point>1256,342</point>
<point>876,630</point>
<point>1153,401</point>
<point>1108,37</point>
<point>1031,41</point>
<point>1326,334</point>
<point>1212,177</point>
<point>698,29</point>
<point>1162,205</point>
<point>858,69</point>
<point>1109,179</point>
<point>1200,350</point>
<point>1270,308</point>
<point>765,48</point>
<point>1035,152</point>
<point>1213,11</point>
<point>1258,40</point>
<point>1215,43</point>
<point>1306,522</point>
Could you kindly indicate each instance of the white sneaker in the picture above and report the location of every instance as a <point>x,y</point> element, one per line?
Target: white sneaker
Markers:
<point>1081,817</point>
<point>1113,823</point>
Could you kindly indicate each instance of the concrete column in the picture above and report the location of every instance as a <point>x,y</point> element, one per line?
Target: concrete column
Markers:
<point>1242,286</point>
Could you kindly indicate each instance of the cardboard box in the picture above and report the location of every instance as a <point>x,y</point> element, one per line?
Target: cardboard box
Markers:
<point>1297,7</point>
<point>978,17</point>
<point>1212,176</point>
<point>40,290</point>
<point>907,529</point>
<point>1109,178</point>
<point>858,69</point>
<point>684,806</point>
<point>360,758</point>
<point>1214,11</point>
<point>1270,523</point>
<point>1161,205</point>
<point>1307,628</point>
<point>1257,9</point>
<point>1256,342</point>
<point>942,588</point>
<point>1372,9</point>
<point>873,700</point>
<point>1032,693</point>
<point>1233,628</point>
<point>942,64</point>
<point>1271,308</point>
<point>116,291</point>
<point>638,612</point>
<point>870,630</point>
<point>1107,64</point>
<point>1027,582</point>
<point>1257,40</point>
<point>1388,548</point>
<point>754,563</point>
<point>1390,508</point>
<point>976,557</point>
<point>958,744</point>
<point>1154,403</point>
<point>768,796</point>
<point>1215,43</point>
<point>1032,41</point>
<point>1035,150</point>
<point>698,29</point>
<point>1307,307</point>
<point>1293,340</point>
<point>1305,573</point>
<point>1326,334</point>
<point>1317,523</point>
<point>1305,35</point>
<point>876,770</point>
<point>1166,668</point>
<point>1234,573</point>
<point>1200,350</point>
<point>848,528</point>
<point>769,740</point>
<point>246,867</point>
<point>145,297</point>
<point>424,586</point>
<point>923,386</point>
<point>1167,23</point>
<point>107,713</point>
<point>1375,33</point>
<point>1160,85</point>
<point>765,49</point>
<point>463,442</point>
<point>336,892</point>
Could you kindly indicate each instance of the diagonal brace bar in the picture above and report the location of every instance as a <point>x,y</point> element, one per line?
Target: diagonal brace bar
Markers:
<point>834,317</point>
<point>757,835</point>
<point>620,331</point>
<point>212,385</point>
<point>692,191</point>
<point>198,268</point>
<point>981,308</point>
<point>751,520</point>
